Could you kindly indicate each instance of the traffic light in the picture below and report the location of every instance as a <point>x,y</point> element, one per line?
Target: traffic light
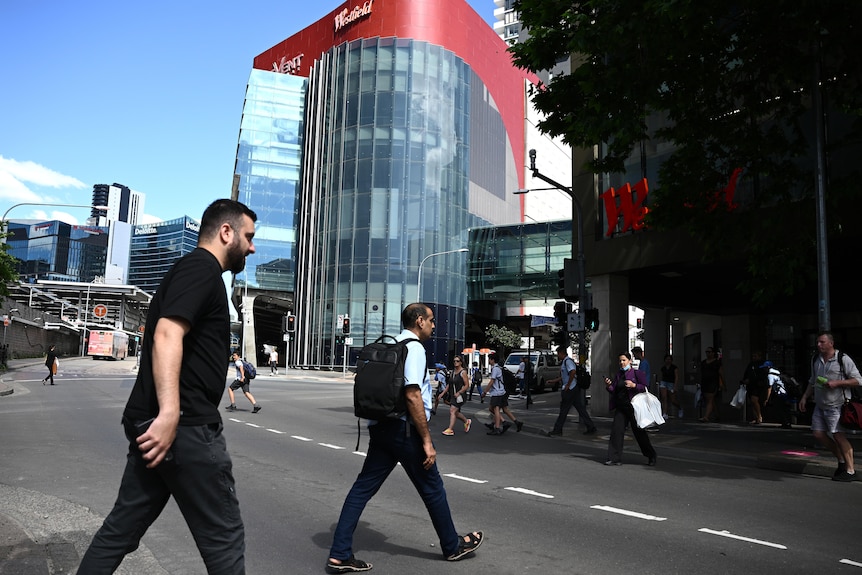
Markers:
<point>640,323</point>
<point>290,320</point>
<point>345,326</point>
<point>591,320</point>
<point>561,312</point>
<point>568,281</point>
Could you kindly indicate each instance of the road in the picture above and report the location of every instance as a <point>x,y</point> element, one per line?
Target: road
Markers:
<point>545,505</point>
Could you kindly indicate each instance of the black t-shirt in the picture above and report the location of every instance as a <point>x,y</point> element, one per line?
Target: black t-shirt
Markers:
<point>194,291</point>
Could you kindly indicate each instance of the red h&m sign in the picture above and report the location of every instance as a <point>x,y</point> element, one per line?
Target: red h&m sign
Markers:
<point>629,202</point>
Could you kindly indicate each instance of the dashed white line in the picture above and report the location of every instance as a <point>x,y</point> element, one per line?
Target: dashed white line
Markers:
<point>730,535</point>
<point>462,478</point>
<point>275,431</point>
<point>849,562</point>
<point>330,446</point>
<point>253,425</point>
<point>529,492</point>
<point>301,438</point>
<point>628,513</point>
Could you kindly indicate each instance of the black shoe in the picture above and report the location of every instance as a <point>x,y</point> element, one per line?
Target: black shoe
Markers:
<point>352,565</point>
<point>466,547</point>
<point>519,425</point>
<point>842,467</point>
<point>786,426</point>
<point>651,461</point>
<point>255,409</point>
<point>231,407</point>
<point>609,462</point>
<point>844,477</point>
<point>495,431</point>
<point>590,431</point>
<point>552,433</point>
<point>489,425</point>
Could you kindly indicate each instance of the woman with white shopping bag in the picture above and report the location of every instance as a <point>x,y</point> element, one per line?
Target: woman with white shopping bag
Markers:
<point>622,389</point>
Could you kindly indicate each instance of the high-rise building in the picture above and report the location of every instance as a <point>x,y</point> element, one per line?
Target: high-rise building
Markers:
<point>157,247</point>
<point>124,204</point>
<point>371,141</point>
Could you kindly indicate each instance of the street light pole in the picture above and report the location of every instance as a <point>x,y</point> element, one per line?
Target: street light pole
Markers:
<point>577,238</point>
<point>419,282</point>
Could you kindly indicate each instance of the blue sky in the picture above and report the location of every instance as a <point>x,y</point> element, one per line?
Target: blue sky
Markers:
<point>147,94</point>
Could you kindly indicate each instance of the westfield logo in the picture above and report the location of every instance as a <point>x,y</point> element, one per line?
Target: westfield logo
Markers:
<point>347,17</point>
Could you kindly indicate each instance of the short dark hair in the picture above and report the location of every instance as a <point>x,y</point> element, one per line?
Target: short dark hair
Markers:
<point>221,211</point>
<point>412,313</point>
<point>627,354</point>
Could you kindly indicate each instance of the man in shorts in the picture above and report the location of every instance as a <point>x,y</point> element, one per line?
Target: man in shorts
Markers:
<point>241,382</point>
<point>829,378</point>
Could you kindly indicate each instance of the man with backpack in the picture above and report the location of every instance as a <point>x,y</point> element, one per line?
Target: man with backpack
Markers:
<point>405,440</point>
<point>476,381</point>
<point>245,372</point>
<point>572,393</point>
<point>832,372</point>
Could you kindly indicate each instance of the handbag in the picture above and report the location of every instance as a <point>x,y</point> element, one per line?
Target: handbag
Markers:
<point>851,413</point>
<point>647,410</point>
<point>55,366</point>
<point>739,397</point>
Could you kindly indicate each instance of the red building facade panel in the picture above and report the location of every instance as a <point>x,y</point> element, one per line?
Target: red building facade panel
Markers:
<point>452,24</point>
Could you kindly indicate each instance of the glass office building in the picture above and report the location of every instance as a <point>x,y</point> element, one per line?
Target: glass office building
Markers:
<point>371,142</point>
<point>155,248</point>
<point>55,250</point>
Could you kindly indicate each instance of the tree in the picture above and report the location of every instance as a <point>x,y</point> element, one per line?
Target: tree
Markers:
<point>732,84</point>
<point>7,267</point>
<point>503,336</point>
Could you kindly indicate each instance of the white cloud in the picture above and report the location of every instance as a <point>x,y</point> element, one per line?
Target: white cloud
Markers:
<point>18,178</point>
<point>148,219</point>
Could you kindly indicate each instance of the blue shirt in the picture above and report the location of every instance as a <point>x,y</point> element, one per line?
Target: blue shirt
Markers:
<point>566,367</point>
<point>497,387</point>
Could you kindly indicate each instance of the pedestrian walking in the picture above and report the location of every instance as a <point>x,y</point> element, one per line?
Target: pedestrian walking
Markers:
<point>776,394</point>
<point>570,394</point>
<point>453,394</point>
<point>273,361</point>
<point>832,372</point>
<point>627,383</point>
<point>406,441</point>
<point>242,381</point>
<point>476,383</point>
<point>51,363</point>
<point>171,420</point>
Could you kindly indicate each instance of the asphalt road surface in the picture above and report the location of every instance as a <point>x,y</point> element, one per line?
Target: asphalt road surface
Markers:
<point>546,506</point>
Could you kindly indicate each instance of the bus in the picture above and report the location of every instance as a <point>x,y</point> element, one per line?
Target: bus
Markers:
<point>108,345</point>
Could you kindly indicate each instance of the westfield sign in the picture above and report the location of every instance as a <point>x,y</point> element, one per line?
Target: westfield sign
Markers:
<point>347,17</point>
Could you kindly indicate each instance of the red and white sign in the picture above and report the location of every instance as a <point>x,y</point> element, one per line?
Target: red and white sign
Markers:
<point>100,311</point>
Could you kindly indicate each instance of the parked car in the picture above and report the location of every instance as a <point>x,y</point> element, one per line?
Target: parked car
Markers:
<point>545,367</point>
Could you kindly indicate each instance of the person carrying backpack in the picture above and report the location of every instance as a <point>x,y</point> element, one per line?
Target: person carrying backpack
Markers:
<point>777,393</point>
<point>405,440</point>
<point>245,372</point>
<point>476,382</point>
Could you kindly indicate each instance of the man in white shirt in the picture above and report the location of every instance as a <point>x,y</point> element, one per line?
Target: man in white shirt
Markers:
<point>570,394</point>
<point>406,441</point>
<point>273,362</point>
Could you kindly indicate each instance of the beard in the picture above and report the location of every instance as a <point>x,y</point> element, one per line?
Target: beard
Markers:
<point>235,258</point>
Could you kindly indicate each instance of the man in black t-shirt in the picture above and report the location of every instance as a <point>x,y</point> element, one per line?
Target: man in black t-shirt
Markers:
<point>172,422</point>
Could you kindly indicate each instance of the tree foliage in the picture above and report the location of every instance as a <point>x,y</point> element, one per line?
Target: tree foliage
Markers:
<point>7,266</point>
<point>731,83</point>
<point>503,336</point>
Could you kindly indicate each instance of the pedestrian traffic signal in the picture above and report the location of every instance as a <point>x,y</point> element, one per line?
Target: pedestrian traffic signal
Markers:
<point>290,323</point>
<point>591,320</point>
<point>345,326</point>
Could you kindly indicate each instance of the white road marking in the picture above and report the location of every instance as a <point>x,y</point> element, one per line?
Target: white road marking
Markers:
<point>253,425</point>
<point>628,513</point>
<point>730,535</point>
<point>849,562</point>
<point>301,438</point>
<point>234,420</point>
<point>362,453</point>
<point>462,478</point>
<point>529,492</point>
<point>275,431</point>
<point>330,446</point>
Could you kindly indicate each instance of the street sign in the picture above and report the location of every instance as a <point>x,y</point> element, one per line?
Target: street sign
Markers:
<point>348,341</point>
<point>540,320</point>
<point>575,321</point>
<point>100,310</point>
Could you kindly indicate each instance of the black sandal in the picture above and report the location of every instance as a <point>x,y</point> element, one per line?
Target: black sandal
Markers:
<point>467,544</point>
<point>352,565</point>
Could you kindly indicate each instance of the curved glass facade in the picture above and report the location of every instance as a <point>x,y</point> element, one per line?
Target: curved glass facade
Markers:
<point>268,165</point>
<point>386,186</point>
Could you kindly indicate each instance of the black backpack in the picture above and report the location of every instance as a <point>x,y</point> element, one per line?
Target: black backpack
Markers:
<point>378,387</point>
<point>791,386</point>
<point>584,377</point>
<point>510,382</point>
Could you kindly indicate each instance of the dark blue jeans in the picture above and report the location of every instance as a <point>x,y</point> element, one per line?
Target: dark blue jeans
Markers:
<point>569,398</point>
<point>394,442</point>
<point>200,478</point>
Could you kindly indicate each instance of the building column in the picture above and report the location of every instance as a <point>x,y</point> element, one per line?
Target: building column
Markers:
<point>611,298</point>
<point>249,342</point>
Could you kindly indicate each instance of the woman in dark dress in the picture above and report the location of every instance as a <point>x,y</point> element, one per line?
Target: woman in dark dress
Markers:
<point>50,358</point>
<point>627,383</point>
